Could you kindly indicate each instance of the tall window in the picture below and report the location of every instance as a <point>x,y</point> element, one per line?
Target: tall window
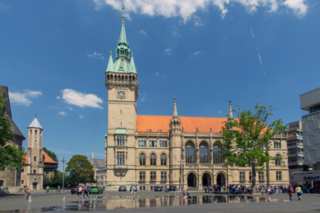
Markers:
<point>189,153</point>
<point>22,181</point>
<point>142,143</point>
<point>163,144</point>
<point>250,176</point>
<point>153,176</point>
<point>153,159</point>
<point>22,170</point>
<point>204,152</point>
<point>34,158</point>
<point>35,132</point>
<point>152,143</point>
<point>277,145</point>
<point>261,176</point>
<point>142,176</point>
<point>278,176</point>
<point>163,176</point>
<point>120,140</point>
<point>142,159</point>
<point>163,159</point>
<point>278,161</point>
<point>120,158</point>
<point>34,171</point>
<point>242,176</point>
<point>216,154</point>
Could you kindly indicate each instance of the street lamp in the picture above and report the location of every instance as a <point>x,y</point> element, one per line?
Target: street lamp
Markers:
<point>63,161</point>
<point>181,162</point>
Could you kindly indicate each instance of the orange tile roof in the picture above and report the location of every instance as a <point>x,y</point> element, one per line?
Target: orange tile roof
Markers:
<point>189,124</point>
<point>47,159</point>
<point>26,159</point>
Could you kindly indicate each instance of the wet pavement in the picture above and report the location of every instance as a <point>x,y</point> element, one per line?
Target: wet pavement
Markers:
<point>100,203</point>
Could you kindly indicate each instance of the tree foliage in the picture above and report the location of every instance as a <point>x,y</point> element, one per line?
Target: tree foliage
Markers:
<point>51,154</point>
<point>80,170</point>
<point>55,180</point>
<point>11,157</point>
<point>245,141</point>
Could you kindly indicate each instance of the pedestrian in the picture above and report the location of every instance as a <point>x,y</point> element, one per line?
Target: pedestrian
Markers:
<point>86,191</point>
<point>83,187</point>
<point>47,189</point>
<point>26,192</point>
<point>79,190</point>
<point>290,191</point>
<point>299,192</point>
<point>183,193</point>
<point>189,194</point>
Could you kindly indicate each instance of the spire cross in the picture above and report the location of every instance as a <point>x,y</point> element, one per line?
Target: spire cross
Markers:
<point>36,114</point>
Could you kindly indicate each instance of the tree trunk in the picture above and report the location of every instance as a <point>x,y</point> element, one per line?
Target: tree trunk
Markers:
<point>253,166</point>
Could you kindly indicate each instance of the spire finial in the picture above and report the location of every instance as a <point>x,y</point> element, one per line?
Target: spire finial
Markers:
<point>36,115</point>
<point>175,111</point>
<point>230,110</point>
<point>122,13</point>
<point>110,50</point>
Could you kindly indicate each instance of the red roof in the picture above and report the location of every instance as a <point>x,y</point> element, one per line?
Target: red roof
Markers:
<point>189,124</point>
<point>26,159</point>
<point>47,159</point>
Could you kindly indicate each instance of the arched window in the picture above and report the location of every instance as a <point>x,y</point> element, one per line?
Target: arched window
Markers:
<point>153,159</point>
<point>203,151</point>
<point>142,159</point>
<point>163,159</point>
<point>277,161</point>
<point>216,154</point>
<point>189,152</point>
<point>34,158</point>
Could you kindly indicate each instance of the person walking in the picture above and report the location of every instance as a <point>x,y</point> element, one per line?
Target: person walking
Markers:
<point>26,192</point>
<point>290,192</point>
<point>83,187</point>
<point>299,192</point>
<point>189,194</point>
<point>79,190</point>
<point>86,191</point>
<point>47,189</point>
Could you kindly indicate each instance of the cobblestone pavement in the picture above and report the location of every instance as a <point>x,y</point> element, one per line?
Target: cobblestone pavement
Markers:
<point>121,202</point>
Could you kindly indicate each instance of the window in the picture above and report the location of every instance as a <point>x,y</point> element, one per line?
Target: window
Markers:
<point>163,144</point>
<point>142,159</point>
<point>277,145</point>
<point>142,176</point>
<point>22,181</point>
<point>1,182</point>
<point>250,176</point>
<point>142,143</point>
<point>216,154</point>
<point>278,176</point>
<point>163,159</point>
<point>153,176</point>
<point>242,176</point>
<point>120,158</point>
<point>30,131</point>
<point>261,176</point>
<point>34,158</point>
<point>163,176</point>
<point>22,170</point>
<point>120,140</point>
<point>277,161</point>
<point>35,132</point>
<point>152,143</point>
<point>35,140</point>
<point>204,152</point>
<point>34,171</point>
<point>153,159</point>
<point>189,153</point>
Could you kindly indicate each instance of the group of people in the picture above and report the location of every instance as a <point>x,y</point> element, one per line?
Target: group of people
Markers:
<point>83,190</point>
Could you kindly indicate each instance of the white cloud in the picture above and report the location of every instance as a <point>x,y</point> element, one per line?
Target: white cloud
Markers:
<point>219,111</point>
<point>81,99</point>
<point>23,98</point>
<point>157,74</point>
<point>70,108</point>
<point>168,51</point>
<point>63,113</point>
<point>186,8</point>
<point>196,53</point>
<point>58,97</point>
<point>144,32</point>
<point>96,55</point>
<point>143,99</point>
<point>81,116</point>
<point>252,32</point>
<point>197,21</point>
<point>260,60</point>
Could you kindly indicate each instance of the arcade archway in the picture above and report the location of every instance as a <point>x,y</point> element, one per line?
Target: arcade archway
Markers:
<point>221,179</point>
<point>206,179</point>
<point>192,180</point>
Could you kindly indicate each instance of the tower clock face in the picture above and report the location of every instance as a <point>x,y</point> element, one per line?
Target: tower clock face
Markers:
<point>121,94</point>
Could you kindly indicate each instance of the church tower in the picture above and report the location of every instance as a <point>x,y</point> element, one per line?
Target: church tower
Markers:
<point>122,85</point>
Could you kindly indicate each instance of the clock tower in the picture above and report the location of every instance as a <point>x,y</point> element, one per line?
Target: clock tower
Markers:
<point>122,85</point>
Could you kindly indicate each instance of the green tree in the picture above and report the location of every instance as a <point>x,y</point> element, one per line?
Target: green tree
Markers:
<point>245,141</point>
<point>51,154</point>
<point>11,157</point>
<point>80,170</point>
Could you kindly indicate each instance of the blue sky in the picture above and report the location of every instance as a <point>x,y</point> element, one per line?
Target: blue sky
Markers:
<point>54,54</point>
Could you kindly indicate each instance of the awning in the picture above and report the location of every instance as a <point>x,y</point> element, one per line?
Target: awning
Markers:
<point>121,132</point>
<point>306,176</point>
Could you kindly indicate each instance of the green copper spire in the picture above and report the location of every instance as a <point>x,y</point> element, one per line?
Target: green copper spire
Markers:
<point>110,67</point>
<point>123,50</point>
<point>132,66</point>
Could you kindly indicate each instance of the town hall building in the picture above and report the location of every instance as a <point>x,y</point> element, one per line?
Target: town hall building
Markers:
<point>150,150</point>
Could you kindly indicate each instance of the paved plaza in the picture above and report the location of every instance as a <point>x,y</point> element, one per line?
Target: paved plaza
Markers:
<point>113,201</point>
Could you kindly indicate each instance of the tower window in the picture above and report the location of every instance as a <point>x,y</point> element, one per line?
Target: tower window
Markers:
<point>30,131</point>
<point>120,111</point>
<point>34,158</point>
<point>35,132</point>
<point>121,123</point>
<point>35,140</point>
<point>22,181</point>
<point>120,140</point>
<point>34,171</point>
<point>120,158</point>
<point>22,170</point>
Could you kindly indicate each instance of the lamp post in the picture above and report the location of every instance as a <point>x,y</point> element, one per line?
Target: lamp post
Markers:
<point>181,162</point>
<point>63,161</point>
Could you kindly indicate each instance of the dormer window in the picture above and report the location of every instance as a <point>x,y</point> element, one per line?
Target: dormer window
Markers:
<point>120,140</point>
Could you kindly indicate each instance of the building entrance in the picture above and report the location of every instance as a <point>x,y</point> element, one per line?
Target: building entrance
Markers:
<point>206,179</point>
<point>34,185</point>
<point>192,180</point>
<point>221,181</point>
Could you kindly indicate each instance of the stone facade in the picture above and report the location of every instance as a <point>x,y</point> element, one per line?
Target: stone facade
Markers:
<point>100,174</point>
<point>150,151</point>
